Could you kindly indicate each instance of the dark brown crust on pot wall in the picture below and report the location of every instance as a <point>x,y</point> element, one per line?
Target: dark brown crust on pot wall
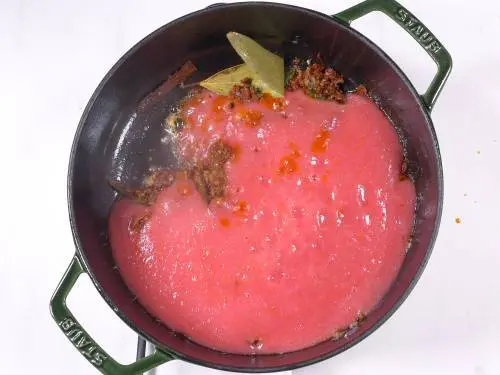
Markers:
<point>316,80</point>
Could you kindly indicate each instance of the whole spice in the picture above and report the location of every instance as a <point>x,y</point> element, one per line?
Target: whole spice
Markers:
<point>223,82</point>
<point>262,71</point>
<point>267,68</point>
<point>186,70</point>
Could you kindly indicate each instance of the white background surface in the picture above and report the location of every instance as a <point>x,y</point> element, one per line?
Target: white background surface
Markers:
<point>53,54</point>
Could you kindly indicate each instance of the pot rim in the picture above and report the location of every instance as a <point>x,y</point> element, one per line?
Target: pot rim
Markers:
<point>179,355</point>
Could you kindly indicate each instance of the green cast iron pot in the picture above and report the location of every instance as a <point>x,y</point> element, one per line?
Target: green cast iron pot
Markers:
<point>112,139</point>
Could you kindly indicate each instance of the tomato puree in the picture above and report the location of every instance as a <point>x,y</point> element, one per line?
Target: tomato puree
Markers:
<point>312,231</point>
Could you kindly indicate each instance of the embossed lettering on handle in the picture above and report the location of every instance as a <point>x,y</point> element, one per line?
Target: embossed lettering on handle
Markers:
<point>82,340</point>
<point>417,30</point>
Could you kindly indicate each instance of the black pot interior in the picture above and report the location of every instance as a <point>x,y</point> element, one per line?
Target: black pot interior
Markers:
<point>114,142</point>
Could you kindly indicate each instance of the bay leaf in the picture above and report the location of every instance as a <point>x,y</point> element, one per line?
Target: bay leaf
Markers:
<point>222,82</point>
<point>267,68</point>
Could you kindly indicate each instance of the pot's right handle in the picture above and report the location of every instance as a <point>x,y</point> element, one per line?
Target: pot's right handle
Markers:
<point>417,30</point>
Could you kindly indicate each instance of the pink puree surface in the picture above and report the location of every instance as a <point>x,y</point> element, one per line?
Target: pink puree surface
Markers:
<point>293,254</point>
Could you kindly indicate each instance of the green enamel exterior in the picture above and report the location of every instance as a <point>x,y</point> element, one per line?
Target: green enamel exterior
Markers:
<point>417,30</point>
<point>82,341</point>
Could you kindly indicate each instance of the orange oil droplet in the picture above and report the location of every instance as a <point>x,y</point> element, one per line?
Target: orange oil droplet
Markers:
<point>224,221</point>
<point>251,118</point>
<point>236,152</point>
<point>276,104</point>
<point>320,143</point>
<point>219,103</point>
<point>184,189</point>
<point>288,165</point>
<point>241,208</point>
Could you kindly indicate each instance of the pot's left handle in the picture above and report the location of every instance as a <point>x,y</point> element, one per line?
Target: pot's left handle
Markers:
<point>82,341</point>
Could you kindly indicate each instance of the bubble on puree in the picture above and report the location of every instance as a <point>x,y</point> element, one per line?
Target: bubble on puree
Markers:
<point>312,231</point>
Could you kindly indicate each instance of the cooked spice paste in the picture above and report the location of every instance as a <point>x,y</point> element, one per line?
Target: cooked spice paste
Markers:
<point>290,223</point>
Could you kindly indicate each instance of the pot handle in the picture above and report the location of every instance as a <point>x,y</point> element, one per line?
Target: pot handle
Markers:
<point>417,30</point>
<point>82,341</point>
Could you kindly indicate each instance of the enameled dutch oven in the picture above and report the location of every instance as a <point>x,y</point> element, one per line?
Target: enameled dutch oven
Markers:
<point>114,140</point>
